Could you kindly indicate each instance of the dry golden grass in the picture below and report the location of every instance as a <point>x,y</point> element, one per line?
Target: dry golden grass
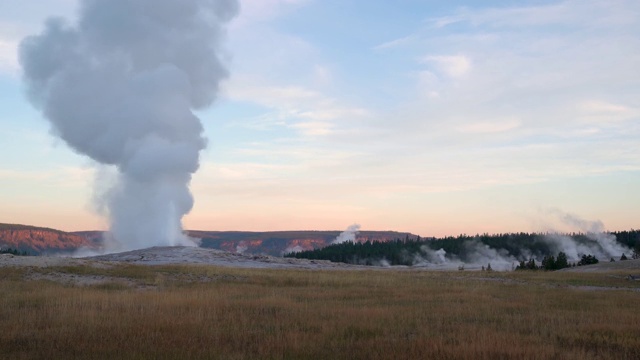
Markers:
<point>183,312</point>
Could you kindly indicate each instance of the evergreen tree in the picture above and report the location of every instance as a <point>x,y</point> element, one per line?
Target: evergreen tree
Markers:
<point>406,250</point>
<point>588,260</point>
<point>561,261</point>
<point>549,263</point>
<point>623,257</point>
<point>636,251</point>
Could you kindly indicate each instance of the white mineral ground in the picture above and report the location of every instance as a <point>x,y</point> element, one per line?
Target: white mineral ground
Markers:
<point>48,267</point>
<point>177,255</point>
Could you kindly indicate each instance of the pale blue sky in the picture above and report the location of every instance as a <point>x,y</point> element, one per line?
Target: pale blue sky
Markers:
<point>435,117</point>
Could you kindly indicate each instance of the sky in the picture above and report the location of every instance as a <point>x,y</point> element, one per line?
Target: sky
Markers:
<point>433,117</point>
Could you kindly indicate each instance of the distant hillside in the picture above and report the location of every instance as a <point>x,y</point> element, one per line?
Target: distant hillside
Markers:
<point>274,243</point>
<point>94,236</point>
<point>277,243</point>
<point>38,240</point>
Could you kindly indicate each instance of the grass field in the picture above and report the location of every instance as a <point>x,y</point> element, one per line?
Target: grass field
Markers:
<point>187,312</point>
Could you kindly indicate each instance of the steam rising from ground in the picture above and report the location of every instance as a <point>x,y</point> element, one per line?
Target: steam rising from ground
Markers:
<point>598,242</point>
<point>293,249</point>
<point>594,242</point>
<point>347,235</point>
<point>478,255</point>
<point>120,86</point>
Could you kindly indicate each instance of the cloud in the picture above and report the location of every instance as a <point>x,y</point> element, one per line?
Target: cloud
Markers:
<point>454,66</point>
<point>547,93</point>
<point>566,13</point>
<point>490,127</point>
<point>488,103</point>
<point>292,82</point>
<point>10,35</point>
<point>255,11</point>
<point>314,128</point>
<point>395,42</point>
<point>322,74</point>
<point>297,107</point>
<point>600,111</point>
<point>58,177</point>
<point>8,56</point>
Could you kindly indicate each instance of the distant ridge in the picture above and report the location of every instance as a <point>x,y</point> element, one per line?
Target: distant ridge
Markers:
<point>276,243</point>
<point>41,240</point>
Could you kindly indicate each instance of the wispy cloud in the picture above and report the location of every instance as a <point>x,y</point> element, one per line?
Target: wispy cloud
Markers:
<point>296,107</point>
<point>314,128</point>
<point>566,13</point>
<point>255,11</point>
<point>454,66</point>
<point>395,42</point>
<point>59,177</point>
<point>8,56</point>
<point>600,111</point>
<point>490,127</point>
<point>473,100</point>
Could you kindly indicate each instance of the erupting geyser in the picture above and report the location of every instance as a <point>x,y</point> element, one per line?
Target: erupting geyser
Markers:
<point>120,86</point>
<point>347,235</point>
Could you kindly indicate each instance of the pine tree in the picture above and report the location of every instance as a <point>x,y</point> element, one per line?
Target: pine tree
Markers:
<point>588,260</point>
<point>561,261</point>
<point>636,251</point>
<point>549,263</point>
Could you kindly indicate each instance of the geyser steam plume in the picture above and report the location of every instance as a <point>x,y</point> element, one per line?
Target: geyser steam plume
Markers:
<point>347,235</point>
<point>120,86</point>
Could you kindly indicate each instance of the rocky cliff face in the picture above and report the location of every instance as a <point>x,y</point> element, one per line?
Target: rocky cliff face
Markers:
<point>35,240</point>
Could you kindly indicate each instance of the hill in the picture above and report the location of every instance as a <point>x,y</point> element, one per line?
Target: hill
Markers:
<point>39,240</point>
<point>277,243</point>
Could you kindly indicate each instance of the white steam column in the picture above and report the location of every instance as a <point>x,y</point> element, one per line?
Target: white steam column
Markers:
<point>348,235</point>
<point>120,86</point>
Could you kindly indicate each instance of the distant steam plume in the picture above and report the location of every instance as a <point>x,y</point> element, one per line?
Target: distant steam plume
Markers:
<point>347,235</point>
<point>293,249</point>
<point>588,238</point>
<point>477,256</point>
<point>596,241</point>
<point>120,87</point>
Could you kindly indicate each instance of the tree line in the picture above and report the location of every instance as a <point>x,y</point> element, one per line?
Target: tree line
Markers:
<point>552,263</point>
<point>13,252</point>
<point>524,246</point>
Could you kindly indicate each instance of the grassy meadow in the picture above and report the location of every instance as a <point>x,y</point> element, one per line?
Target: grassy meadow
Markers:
<point>190,312</point>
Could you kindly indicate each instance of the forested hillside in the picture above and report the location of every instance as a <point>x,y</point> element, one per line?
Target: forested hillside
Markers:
<point>506,249</point>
